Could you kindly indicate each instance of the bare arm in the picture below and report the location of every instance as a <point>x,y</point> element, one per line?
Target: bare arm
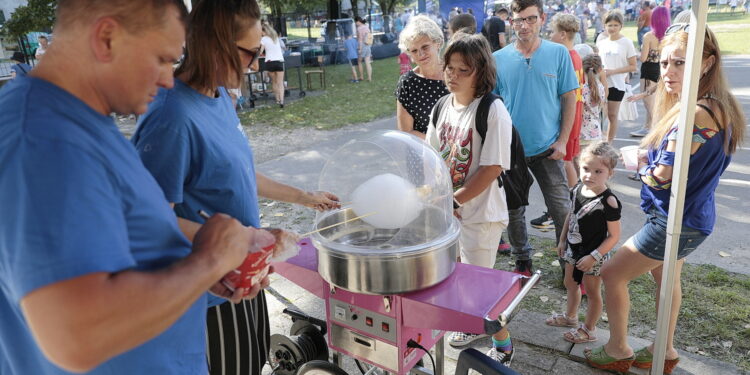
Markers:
<point>603,79</point>
<point>81,322</point>
<point>646,47</point>
<point>478,182</point>
<point>405,122</point>
<point>631,67</point>
<point>277,191</point>
<point>613,233</point>
<point>568,106</point>
<point>664,172</point>
<point>563,244</point>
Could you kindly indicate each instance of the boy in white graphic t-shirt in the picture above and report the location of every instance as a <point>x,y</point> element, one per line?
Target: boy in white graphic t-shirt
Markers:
<point>474,164</point>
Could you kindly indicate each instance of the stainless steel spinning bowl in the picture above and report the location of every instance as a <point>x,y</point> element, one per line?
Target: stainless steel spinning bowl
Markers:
<point>360,258</point>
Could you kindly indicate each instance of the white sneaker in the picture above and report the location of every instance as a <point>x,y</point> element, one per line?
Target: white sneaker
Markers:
<point>501,356</point>
<point>458,339</point>
<point>642,132</point>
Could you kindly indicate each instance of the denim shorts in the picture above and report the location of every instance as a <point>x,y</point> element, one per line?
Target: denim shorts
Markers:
<point>652,238</point>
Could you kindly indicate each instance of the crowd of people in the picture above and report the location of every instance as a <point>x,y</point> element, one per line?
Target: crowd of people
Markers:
<point>562,98</point>
<point>106,266</point>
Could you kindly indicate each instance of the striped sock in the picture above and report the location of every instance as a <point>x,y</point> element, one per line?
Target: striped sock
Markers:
<point>503,345</point>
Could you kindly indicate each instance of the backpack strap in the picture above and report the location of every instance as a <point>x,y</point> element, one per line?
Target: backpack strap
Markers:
<point>437,108</point>
<point>483,110</point>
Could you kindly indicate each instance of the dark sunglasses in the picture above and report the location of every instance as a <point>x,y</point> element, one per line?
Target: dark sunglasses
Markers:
<point>253,54</point>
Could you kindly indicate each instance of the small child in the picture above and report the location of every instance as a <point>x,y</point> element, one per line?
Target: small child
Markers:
<point>594,100</point>
<point>404,63</point>
<point>352,55</point>
<point>474,163</point>
<point>591,230</point>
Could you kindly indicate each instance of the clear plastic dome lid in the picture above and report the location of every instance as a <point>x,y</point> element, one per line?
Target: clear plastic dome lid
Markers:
<point>395,189</point>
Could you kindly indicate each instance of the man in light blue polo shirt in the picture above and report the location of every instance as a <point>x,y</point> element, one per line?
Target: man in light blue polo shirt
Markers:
<point>536,79</point>
<point>95,274</point>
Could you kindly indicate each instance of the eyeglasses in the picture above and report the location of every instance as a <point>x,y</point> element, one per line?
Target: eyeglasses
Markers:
<point>252,53</point>
<point>677,27</point>
<point>530,20</point>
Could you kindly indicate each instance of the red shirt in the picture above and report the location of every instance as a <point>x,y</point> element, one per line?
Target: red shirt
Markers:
<point>572,148</point>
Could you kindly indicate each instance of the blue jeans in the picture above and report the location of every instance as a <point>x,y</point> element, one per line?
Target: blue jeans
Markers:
<point>652,238</point>
<point>641,33</point>
<point>550,175</point>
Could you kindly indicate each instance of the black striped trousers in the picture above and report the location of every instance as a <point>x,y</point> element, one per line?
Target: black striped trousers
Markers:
<point>238,337</point>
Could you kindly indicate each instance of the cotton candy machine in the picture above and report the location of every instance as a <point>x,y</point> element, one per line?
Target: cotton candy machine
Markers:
<point>388,274</point>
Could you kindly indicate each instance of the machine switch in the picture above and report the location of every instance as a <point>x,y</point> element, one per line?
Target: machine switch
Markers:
<point>368,321</point>
<point>385,327</point>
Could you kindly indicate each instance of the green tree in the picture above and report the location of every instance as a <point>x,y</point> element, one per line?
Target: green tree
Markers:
<point>388,7</point>
<point>38,15</point>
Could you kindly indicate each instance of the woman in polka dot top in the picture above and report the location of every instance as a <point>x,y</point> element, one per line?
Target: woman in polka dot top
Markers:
<point>419,89</point>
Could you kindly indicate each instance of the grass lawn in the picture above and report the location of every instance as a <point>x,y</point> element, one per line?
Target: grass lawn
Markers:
<point>301,32</point>
<point>730,28</point>
<point>342,103</point>
<point>715,313</point>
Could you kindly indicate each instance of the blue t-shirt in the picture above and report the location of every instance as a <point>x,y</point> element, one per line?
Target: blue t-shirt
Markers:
<point>351,48</point>
<point>531,91</point>
<point>21,69</point>
<point>706,167</point>
<point>198,153</point>
<point>80,202</point>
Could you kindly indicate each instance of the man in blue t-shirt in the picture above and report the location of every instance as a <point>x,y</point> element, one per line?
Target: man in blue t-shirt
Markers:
<point>95,274</point>
<point>537,81</point>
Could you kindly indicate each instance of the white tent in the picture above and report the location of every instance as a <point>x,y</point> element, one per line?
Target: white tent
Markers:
<point>696,32</point>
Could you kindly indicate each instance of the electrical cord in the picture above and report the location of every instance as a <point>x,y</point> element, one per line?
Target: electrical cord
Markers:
<point>413,344</point>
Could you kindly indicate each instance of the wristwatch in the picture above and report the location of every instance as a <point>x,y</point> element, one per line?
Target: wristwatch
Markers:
<point>596,255</point>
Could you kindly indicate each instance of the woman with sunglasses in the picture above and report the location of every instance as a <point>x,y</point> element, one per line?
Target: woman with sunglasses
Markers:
<point>618,55</point>
<point>192,142</point>
<point>717,132</point>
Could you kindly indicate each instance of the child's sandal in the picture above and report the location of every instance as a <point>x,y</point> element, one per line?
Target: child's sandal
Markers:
<point>644,359</point>
<point>598,358</point>
<point>560,320</point>
<point>579,335</point>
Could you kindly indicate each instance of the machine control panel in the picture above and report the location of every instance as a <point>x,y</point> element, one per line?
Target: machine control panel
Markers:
<point>369,322</point>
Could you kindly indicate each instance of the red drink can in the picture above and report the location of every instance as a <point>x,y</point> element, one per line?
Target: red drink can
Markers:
<point>253,269</point>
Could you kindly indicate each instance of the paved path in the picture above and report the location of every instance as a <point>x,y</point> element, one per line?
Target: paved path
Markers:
<point>539,351</point>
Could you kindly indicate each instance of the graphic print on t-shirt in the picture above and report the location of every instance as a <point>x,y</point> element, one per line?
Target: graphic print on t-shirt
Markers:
<point>456,151</point>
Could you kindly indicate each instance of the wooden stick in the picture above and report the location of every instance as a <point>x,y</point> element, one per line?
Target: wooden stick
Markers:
<point>337,224</point>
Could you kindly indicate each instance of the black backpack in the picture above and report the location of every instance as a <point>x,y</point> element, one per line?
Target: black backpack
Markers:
<point>517,180</point>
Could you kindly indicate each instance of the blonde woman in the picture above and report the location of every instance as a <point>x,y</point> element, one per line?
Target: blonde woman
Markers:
<point>274,47</point>
<point>419,89</point>
<point>718,130</point>
<point>618,55</point>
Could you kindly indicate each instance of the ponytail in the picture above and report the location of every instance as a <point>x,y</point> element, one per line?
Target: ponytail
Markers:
<point>592,65</point>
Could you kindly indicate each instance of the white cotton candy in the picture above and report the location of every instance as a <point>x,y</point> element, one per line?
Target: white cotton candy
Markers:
<point>393,200</point>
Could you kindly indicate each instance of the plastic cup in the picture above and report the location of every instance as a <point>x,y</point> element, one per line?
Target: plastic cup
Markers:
<point>630,157</point>
<point>253,269</point>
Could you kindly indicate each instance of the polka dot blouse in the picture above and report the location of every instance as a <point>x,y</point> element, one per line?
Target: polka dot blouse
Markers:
<point>418,95</point>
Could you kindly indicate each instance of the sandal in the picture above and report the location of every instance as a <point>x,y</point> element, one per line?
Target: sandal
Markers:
<point>579,335</point>
<point>560,320</point>
<point>598,358</point>
<point>644,359</point>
